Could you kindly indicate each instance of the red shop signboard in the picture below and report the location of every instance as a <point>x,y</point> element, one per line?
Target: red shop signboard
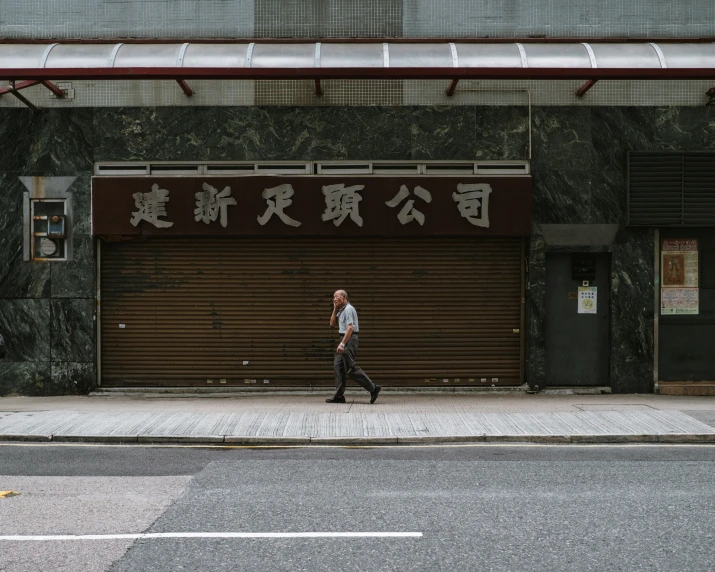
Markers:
<point>311,206</point>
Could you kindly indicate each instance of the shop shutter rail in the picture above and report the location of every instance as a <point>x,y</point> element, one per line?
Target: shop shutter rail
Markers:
<point>671,189</point>
<point>209,311</point>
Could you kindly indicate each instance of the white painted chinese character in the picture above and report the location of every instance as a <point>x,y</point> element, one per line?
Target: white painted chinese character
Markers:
<point>210,202</point>
<point>341,201</point>
<point>473,203</point>
<point>151,206</point>
<point>408,212</point>
<point>281,196</point>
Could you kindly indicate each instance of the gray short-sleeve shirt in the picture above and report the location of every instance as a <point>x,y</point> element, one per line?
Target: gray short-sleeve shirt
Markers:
<point>346,316</point>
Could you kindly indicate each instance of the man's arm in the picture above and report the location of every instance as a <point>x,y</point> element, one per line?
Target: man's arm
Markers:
<point>334,318</point>
<point>346,337</point>
<point>348,334</point>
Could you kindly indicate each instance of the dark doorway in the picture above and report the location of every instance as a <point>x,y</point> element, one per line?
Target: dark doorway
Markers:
<point>577,344</point>
<point>685,344</point>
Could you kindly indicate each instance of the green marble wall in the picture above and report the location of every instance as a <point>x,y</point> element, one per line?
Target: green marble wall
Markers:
<point>47,310</point>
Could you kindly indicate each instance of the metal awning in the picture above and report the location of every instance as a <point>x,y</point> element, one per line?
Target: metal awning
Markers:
<point>358,60</point>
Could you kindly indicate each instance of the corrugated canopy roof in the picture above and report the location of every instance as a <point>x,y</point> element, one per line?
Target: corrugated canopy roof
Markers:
<point>362,60</point>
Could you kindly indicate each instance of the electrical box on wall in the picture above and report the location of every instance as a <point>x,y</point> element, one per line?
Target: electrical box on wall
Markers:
<point>49,234</point>
<point>47,219</point>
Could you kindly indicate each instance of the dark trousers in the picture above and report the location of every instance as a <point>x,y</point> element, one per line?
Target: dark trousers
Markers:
<point>344,366</point>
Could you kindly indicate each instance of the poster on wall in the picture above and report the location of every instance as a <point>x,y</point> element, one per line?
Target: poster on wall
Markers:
<point>679,293</point>
<point>679,301</point>
<point>587,299</point>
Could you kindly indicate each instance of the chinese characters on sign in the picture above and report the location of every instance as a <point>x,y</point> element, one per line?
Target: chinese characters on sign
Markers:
<point>209,203</point>
<point>408,212</point>
<point>278,198</point>
<point>473,203</point>
<point>341,202</point>
<point>679,292</point>
<point>151,206</point>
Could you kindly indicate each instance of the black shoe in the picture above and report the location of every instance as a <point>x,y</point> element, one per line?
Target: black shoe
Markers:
<point>335,400</point>
<point>373,394</point>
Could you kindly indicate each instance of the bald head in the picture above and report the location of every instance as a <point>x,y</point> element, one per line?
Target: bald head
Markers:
<point>340,298</point>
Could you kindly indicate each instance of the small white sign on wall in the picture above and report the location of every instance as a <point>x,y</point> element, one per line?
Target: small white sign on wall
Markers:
<point>587,299</point>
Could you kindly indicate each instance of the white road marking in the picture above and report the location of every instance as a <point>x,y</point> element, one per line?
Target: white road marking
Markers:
<point>141,536</point>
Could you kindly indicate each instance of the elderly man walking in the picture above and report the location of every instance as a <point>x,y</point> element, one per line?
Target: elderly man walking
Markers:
<point>345,317</point>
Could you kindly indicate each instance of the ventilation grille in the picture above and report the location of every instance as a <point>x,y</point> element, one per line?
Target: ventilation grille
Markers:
<point>671,189</point>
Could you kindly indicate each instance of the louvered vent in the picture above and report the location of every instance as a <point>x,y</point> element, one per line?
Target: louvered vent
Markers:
<point>699,189</point>
<point>671,189</point>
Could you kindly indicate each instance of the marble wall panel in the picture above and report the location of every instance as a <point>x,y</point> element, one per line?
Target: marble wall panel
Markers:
<point>536,311</point>
<point>18,279</point>
<point>25,325</point>
<point>608,197</point>
<point>617,130</point>
<point>684,128</point>
<point>561,196</point>
<point>363,133</point>
<point>61,142</point>
<point>25,378</point>
<point>73,336</point>
<point>562,136</point>
<point>70,378</point>
<point>502,133</point>
<point>280,133</point>
<point>75,279</point>
<point>155,133</point>
<point>444,133</point>
<point>15,125</point>
<point>81,191</point>
<point>215,134</point>
<point>632,312</point>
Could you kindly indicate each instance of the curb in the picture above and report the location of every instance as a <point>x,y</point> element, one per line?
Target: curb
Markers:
<point>237,440</point>
<point>354,441</point>
<point>26,437</point>
<point>93,438</point>
<point>669,438</point>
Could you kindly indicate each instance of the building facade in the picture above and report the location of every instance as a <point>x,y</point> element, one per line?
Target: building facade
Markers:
<point>578,298</point>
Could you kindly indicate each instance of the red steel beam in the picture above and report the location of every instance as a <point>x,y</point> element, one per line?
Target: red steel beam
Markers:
<point>173,73</point>
<point>24,84</point>
<point>581,91</point>
<point>452,88</point>
<point>18,86</point>
<point>13,90</point>
<point>185,87</point>
<point>53,88</point>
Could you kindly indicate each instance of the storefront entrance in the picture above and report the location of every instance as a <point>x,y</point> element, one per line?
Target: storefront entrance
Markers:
<point>687,305</point>
<point>255,311</point>
<point>577,319</point>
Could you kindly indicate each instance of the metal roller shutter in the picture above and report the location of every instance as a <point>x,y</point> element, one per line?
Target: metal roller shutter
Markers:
<point>255,311</point>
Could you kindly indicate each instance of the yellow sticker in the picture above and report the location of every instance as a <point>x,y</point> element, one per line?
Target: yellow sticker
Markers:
<point>6,494</point>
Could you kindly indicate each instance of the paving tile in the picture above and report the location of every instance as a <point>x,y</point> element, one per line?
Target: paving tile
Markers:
<point>301,418</point>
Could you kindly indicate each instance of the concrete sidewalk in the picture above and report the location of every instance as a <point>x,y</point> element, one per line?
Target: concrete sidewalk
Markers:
<point>408,418</point>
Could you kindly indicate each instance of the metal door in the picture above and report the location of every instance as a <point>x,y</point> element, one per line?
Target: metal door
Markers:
<point>577,344</point>
<point>235,311</point>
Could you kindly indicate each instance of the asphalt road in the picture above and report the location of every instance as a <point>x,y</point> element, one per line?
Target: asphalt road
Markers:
<point>477,508</point>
